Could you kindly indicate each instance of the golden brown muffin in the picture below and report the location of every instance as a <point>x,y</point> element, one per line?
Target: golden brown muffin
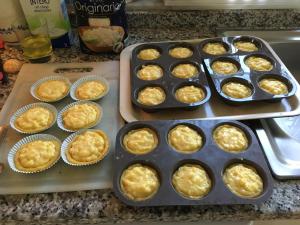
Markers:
<point>185,71</point>
<point>52,90</point>
<point>236,90</point>
<point>149,54</point>
<point>224,67</point>
<point>184,139</point>
<point>189,94</point>
<point>37,155</point>
<point>245,46</point>
<point>140,141</point>
<point>151,96</point>
<point>139,182</point>
<point>81,116</point>
<point>181,52</point>
<point>273,86</point>
<point>230,138</point>
<point>150,72</point>
<point>214,49</point>
<point>243,180</point>
<point>88,147</point>
<point>191,181</point>
<point>258,63</point>
<point>90,90</point>
<point>34,120</point>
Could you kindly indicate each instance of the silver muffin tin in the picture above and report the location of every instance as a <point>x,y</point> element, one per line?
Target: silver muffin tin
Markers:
<point>165,160</point>
<point>245,76</point>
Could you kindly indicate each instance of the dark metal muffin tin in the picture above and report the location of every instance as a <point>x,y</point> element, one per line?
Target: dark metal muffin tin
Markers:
<point>246,76</point>
<point>165,160</point>
<point>167,82</point>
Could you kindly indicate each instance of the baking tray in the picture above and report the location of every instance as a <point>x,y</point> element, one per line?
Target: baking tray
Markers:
<point>215,108</point>
<point>275,135</point>
<point>61,177</point>
<point>168,82</point>
<point>245,75</point>
<point>165,160</point>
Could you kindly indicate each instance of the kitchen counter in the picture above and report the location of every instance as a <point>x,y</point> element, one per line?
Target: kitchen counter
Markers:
<point>101,206</point>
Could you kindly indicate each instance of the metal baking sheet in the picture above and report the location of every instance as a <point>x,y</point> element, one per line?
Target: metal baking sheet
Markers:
<point>214,109</point>
<point>61,177</point>
<point>275,135</point>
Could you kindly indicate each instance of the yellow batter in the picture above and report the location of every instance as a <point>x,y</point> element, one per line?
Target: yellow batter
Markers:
<point>150,72</point>
<point>191,181</point>
<point>258,63</point>
<point>273,86</point>
<point>140,141</point>
<point>34,120</point>
<point>37,155</point>
<point>224,68</point>
<point>139,182</point>
<point>230,138</point>
<point>243,180</point>
<point>151,96</point>
<point>184,139</point>
<point>90,90</point>
<point>236,90</point>
<point>245,46</point>
<point>185,71</point>
<point>52,90</point>
<point>189,94</point>
<point>180,52</point>
<point>88,147</point>
<point>149,54</point>
<point>214,49</point>
<point>81,116</point>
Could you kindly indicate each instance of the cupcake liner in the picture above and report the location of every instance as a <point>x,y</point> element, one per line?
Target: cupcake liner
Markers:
<point>22,110</point>
<point>39,82</point>
<point>85,79</point>
<point>60,119</point>
<point>68,140</point>
<point>26,140</point>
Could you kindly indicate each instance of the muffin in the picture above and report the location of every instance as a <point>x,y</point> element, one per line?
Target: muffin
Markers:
<point>150,72</point>
<point>34,120</point>
<point>273,86</point>
<point>243,180</point>
<point>81,116</point>
<point>214,48</point>
<point>148,54</point>
<point>139,182</point>
<point>191,181</point>
<point>52,90</point>
<point>88,147</point>
<point>230,138</point>
<point>37,155</point>
<point>189,94</point>
<point>236,90</point>
<point>185,71</point>
<point>224,67</point>
<point>181,52</point>
<point>245,46</point>
<point>140,141</point>
<point>184,139</point>
<point>90,90</point>
<point>151,96</point>
<point>258,63</point>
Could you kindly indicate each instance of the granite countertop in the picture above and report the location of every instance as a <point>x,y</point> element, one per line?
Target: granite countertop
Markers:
<point>99,206</point>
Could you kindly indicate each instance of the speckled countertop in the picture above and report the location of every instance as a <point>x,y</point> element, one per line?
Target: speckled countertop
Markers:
<point>86,207</point>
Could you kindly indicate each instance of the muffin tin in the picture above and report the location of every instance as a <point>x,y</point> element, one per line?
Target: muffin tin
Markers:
<point>167,82</point>
<point>246,76</point>
<point>165,160</point>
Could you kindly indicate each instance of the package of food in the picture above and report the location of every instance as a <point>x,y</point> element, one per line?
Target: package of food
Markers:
<point>56,15</point>
<point>101,25</point>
